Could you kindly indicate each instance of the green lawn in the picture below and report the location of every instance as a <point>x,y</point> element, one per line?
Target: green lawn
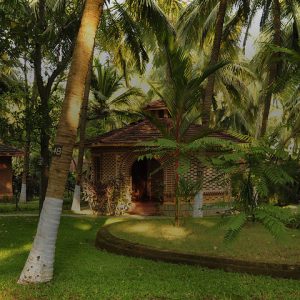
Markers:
<point>82,272</point>
<point>204,236</point>
<point>29,207</point>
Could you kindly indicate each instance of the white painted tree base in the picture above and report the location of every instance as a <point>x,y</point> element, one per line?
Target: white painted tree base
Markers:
<point>198,203</point>
<point>76,199</point>
<point>22,198</point>
<point>39,264</point>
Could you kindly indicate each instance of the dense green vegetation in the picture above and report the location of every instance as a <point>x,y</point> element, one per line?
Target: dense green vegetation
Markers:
<point>191,55</point>
<point>255,94</point>
<point>82,272</point>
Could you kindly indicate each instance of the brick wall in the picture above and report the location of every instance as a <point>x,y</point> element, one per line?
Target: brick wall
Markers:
<point>116,163</point>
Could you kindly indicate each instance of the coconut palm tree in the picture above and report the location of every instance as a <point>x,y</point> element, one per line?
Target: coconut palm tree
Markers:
<point>39,265</point>
<point>277,17</point>
<point>288,132</point>
<point>237,100</point>
<point>110,106</point>
<point>172,8</point>
<point>274,68</point>
<point>111,98</point>
<point>180,91</point>
<point>196,21</point>
<point>121,36</point>
<point>152,18</point>
<point>209,91</point>
<point>82,127</point>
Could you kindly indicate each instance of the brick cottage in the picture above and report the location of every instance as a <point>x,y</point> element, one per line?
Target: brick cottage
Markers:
<point>115,155</point>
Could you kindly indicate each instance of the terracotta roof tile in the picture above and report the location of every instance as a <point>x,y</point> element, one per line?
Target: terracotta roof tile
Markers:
<point>6,150</point>
<point>144,131</point>
<point>154,105</point>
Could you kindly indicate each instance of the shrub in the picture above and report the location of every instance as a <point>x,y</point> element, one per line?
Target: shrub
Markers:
<point>105,198</point>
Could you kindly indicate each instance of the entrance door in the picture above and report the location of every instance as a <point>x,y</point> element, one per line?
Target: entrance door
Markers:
<point>147,181</point>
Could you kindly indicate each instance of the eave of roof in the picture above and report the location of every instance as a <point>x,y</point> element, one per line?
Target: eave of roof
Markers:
<point>155,105</point>
<point>6,150</point>
<point>134,133</point>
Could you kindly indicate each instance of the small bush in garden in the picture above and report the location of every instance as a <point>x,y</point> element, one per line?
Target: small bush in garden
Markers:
<point>105,198</point>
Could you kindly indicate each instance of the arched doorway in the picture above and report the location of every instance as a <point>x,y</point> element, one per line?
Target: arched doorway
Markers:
<point>147,185</point>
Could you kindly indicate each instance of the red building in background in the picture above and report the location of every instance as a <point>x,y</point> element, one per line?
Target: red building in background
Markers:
<point>6,154</point>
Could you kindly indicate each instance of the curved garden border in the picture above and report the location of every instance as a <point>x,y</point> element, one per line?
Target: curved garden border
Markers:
<point>106,241</point>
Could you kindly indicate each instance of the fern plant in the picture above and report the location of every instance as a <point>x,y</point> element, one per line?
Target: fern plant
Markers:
<point>255,168</point>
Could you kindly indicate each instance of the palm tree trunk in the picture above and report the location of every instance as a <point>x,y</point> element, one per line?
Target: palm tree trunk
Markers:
<point>39,265</point>
<point>82,126</point>
<point>209,91</point>
<point>273,68</point>
<point>44,152</point>
<point>177,199</point>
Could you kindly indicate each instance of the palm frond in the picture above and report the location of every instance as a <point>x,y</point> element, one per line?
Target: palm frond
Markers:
<point>152,16</point>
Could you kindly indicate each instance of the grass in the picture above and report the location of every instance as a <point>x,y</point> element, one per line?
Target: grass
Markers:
<point>82,272</point>
<point>203,236</point>
<point>29,207</point>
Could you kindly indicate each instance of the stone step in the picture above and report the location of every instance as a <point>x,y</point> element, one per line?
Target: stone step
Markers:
<point>144,208</point>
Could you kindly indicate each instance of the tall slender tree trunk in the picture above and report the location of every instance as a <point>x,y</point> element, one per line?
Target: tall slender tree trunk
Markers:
<point>39,265</point>
<point>215,53</point>
<point>177,153</point>
<point>28,127</point>
<point>82,126</point>
<point>273,72</point>
<point>249,21</point>
<point>44,107</point>
<point>45,90</point>
<point>177,198</point>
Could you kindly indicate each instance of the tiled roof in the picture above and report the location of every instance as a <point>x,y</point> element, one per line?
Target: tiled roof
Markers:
<point>154,105</point>
<point>9,151</point>
<point>142,131</point>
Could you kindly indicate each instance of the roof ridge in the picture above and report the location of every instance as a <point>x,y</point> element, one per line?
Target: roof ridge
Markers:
<point>126,128</point>
<point>144,130</point>
<point>113,132</point>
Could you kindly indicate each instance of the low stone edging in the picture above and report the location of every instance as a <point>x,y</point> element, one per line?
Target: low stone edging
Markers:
<point>106,241</point>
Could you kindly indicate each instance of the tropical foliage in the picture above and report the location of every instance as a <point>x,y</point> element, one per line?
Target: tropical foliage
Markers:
<point>181,91</point>
<point>193,55</point>
<point>255,169</point>
<point>111,101</point>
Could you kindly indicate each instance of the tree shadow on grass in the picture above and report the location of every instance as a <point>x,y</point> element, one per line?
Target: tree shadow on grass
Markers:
<point>17,234</point>
<point>16,237</point>
<point>83,272</point>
